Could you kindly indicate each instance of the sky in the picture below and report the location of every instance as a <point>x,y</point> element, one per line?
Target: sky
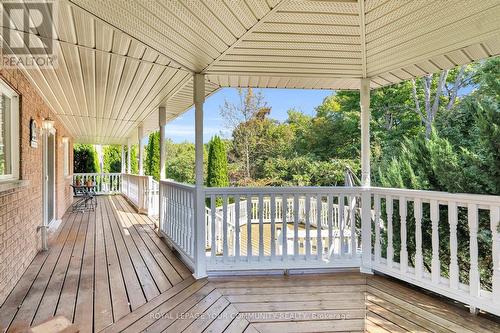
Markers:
<point>280,101</point>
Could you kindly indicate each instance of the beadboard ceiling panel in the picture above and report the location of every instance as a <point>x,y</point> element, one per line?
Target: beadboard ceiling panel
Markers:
<point>119,60</point>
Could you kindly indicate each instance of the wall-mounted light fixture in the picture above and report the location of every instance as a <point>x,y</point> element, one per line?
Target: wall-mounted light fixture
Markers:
<point>65,139</point>
<point>48,124</point>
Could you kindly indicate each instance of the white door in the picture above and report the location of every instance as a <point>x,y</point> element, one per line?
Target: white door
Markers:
<point>49,184</point>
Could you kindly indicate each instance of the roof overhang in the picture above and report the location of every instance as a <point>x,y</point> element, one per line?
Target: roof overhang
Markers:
<point>120,60</point>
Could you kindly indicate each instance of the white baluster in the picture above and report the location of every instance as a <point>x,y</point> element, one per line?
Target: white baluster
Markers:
<point>435,263</point>
<point>237,227</point>
<point>295,225</point>
<point>249,227</point>
<point>474,285</point>
<point>319,226</point>
<point>419,259</point>
<point>213,228</point>
<point>331,248</point>
<point>261,227</point>
<point>495,224</point>
<point>403,255</point>
<point>308,225</point>
<point>225,252</point>
<point>390,246</point>
<point>352,221</point>
<point>453,221</point>
<point>341,225</point>
<point>377,229</point>
<point>284,211</point>
<point>273,227</point>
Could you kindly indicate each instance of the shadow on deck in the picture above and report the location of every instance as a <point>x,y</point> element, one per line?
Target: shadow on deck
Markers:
<point>108,270</point>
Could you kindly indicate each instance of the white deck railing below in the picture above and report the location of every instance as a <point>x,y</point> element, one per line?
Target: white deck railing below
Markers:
<point>252,229</point>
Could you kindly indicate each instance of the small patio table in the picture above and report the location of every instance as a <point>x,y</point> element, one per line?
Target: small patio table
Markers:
<point>86,197</point>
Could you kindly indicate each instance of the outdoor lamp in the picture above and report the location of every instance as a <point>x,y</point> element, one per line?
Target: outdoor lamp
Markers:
<point>47,124</point>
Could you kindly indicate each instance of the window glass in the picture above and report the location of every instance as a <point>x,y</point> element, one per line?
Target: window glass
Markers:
<point>5,135</point>
<point>66,157</point>
<point>9,133</point>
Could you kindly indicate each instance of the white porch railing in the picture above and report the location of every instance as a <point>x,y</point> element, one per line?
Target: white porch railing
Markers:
<point>277,236</point>
<point>143,192</point>
<point>106,183</point>
<point>251,229</point>
<point>177,217</point>
<point>434,211</point>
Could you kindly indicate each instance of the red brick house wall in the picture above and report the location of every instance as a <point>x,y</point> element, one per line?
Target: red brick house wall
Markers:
<point>21,207</point>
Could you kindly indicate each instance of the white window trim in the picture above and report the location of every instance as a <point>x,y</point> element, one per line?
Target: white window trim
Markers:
<point>14,132</point>
<point>66,158</point>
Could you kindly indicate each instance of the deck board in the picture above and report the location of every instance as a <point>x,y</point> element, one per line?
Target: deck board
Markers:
<point>108,271</point>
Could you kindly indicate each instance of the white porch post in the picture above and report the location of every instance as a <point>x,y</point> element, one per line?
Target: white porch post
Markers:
<point>200,270</point>
<point>162,116</point>
<point>366,199</point>
<point>129,151</point>
<point>365,131</point>
<point>141,150</point>
<point>163,157</point>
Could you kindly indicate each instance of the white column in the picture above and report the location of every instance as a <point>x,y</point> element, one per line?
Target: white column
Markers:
<point>141,150</point>
<point>129,152</point>
<point>123,159</point>
<point>366,198</point>
<point>199,230</point>
<point>365,131</point>
<point>162,117</point>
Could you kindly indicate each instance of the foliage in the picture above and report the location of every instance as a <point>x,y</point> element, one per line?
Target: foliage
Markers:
<point>244,120</point>
<point>85,159</point>
<point>217,174</point>
<point>181,161</point>
<point>112,159</point>
<point>460,154</point>
<point>306,171</point>
<point>152,158</point>
<point>134,162</point>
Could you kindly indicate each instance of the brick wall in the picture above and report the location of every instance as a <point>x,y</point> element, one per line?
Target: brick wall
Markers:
<point>21,208</point>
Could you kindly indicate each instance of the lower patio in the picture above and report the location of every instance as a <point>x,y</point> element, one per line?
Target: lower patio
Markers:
<point>107,270</point>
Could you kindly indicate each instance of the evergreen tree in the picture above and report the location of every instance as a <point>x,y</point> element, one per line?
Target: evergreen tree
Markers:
<point>85,159</point>
<point>112,159</point>
<point>134,163</point>
<point>217,164</point>
<point>152,162</point>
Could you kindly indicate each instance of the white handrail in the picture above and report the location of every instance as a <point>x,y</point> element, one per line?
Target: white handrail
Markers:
<point>286,236</point>
<point>251,228</point>
<point>178,217</point>
<point>142,192</point>
<point>106,183</point>
<point>438,210</point>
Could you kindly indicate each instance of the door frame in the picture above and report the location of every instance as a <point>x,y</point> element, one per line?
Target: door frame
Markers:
<point>45,188</point>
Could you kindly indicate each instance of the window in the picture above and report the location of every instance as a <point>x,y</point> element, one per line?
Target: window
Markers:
<point>65,141</point>
<point>9,133</point>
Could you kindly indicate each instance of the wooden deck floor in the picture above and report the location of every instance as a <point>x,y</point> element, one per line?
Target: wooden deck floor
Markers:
<point>108,271</point>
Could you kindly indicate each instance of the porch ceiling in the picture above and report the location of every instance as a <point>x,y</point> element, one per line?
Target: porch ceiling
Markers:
<point>120,60</point>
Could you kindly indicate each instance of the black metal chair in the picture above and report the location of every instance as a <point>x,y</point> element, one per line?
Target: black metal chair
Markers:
<point>86,198</point>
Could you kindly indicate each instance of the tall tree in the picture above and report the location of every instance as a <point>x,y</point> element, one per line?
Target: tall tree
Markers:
<point>217,174</point>
<point>152,162</point>
<point>112,158</point>
<point>181,160</point>
<point>436,90</point>
<point>85,159</point>
<point>134,162</point>
<point>237,116</point>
